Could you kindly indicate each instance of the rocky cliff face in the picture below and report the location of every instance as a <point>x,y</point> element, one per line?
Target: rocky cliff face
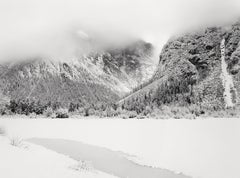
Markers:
<point>189,69</point>
<point>132,65</point>
<point>195,59</point>
<point>98,77</point>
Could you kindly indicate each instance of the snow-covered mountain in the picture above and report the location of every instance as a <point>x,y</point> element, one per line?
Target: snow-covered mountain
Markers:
<point>195,68</point>
<point>98,76</point>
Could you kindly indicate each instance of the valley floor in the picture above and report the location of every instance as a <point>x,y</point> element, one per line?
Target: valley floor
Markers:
<point>201,148</point>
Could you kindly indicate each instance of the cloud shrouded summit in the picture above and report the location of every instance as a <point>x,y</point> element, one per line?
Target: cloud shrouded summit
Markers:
<point>56,28</point>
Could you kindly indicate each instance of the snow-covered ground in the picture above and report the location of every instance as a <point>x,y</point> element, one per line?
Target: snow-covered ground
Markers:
<point>31,161</point>
<point>202,148</point>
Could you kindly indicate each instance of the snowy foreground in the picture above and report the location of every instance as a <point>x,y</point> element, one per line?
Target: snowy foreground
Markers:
<point>202,148</point>
<point>31,161</point>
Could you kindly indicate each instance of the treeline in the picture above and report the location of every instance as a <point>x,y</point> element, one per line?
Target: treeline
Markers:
<point>134,109</point>
<point>172,92</point>
<point>58,110</point>
<point>27,107</point>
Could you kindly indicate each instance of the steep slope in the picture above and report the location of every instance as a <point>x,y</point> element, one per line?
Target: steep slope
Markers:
<point>98,77</point>
<point>190,70</point>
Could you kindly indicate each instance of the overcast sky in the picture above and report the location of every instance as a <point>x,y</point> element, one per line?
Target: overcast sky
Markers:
<point>35,27</point>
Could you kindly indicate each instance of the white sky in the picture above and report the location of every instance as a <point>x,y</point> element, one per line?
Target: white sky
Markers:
<point>30,27</point>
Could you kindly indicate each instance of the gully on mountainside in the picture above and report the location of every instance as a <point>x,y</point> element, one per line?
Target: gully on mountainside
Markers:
<point>227,80</point>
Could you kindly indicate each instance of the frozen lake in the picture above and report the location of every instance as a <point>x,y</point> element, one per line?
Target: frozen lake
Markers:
<point>105,160</point>
<point>202,148</point>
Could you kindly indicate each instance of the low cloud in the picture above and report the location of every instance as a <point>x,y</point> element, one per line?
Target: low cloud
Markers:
<point>58,28</point>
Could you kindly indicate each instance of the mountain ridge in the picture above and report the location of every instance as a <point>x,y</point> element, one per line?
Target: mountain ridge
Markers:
<point>96,77</point>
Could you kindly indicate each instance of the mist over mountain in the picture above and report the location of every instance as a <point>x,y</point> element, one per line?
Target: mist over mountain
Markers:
<point>93,52</point>
<point>56,28</point>
<point>97,76</point>
<point>119,88</point>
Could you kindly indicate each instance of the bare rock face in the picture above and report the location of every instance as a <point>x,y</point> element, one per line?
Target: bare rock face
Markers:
<point>98,77</point>
<point>201,51</point>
